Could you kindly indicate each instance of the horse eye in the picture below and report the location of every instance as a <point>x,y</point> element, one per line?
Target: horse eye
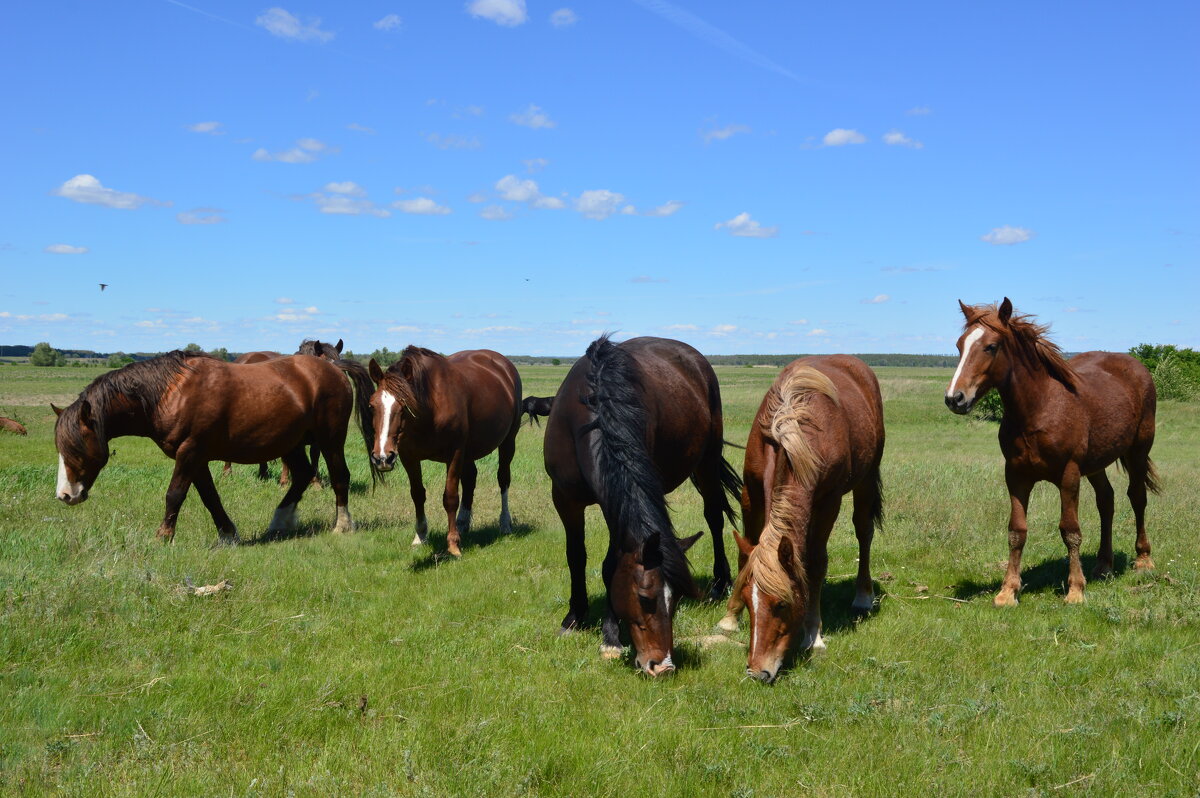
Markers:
<point>991,348</point>
<point>649,605</point>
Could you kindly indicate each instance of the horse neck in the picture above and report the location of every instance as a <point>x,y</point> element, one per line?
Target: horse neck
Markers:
<point>1023,392</point>
<point>125,415</point>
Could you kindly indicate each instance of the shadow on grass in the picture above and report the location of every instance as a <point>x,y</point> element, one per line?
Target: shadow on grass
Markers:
<point>1049,574</point>
<point>435,544</point>
<point>310,530</point>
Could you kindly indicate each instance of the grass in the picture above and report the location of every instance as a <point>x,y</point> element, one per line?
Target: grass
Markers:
<point>357,665</point>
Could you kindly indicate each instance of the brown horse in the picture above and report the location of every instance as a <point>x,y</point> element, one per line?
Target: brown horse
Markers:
<point>332,353</point>
<point>630,423</point>
<point>535,406</point>
<point>12,426</point>
<point>818,435</point>
<point>451,410</point>
<point>1063,421</point>
<point>197,409</point>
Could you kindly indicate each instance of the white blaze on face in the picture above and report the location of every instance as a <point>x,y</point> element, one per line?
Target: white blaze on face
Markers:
<point>667,595</point>
<point>389,402</point>
<point>968,342</point>
<point>66,490</point>
<point>756,603</point>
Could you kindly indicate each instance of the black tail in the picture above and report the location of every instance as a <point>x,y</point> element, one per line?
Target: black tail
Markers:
<point>363,388</point>
<point>732,489</point>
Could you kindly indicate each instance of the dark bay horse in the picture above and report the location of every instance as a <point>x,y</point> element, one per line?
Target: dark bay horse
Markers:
<point>1063,421</point>
<point>332,353</point>
<point>451,410</point>
<point>818,435</point>
<point>630,423</point>
<point>535,406</point>
<point>198,409</point>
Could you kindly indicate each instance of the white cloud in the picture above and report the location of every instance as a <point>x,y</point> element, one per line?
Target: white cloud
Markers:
<point>720,134</point>
<point>681,327</point>
<point>666,209</point>
<point>508,13</point>
<point>422,206</point>
<point>346,187</point>
<point>742,225</point>
<point>65,249</point>
<point>549,203</point>
<point>800,322</point>
<point>839,137</point>
<point>453,142</point>
<point>279,22</point>
<point>211,128</point>
<point>496,213</point>
<point>563,17</point>
<point>897,139</point>
<point>515,189</point>
<point>361,128</point>
<point>477,197</point>
<point>533,117</point>
<point>345,198</point>
<point>722,329</point>
<point>818,331</point>
<point>599,203</point>
<point>283,300</point>
<point>88,190</point>
<point>389,23</point>
<point>305,151</point>
<point>201,216</point>
<point>1006,235</point>
<point>878,299</point>
<point>534,165</point>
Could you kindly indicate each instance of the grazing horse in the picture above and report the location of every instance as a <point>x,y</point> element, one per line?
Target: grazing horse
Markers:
<point>1063,421</point>
<point>534,406</point>
<point>630,423</point>
<point>197,409</point>
<point>451,410</point>
<point>332,353</point>
<point>12,426</point>
<point>818,435</point>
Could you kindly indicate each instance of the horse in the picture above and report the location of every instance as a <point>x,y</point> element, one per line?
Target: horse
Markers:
<point>12,426</point>
<point>330,352</point>
<point>534,406</point>
<point>818,435</point>
<point>197,408</point>
<point>451,410</point>
<point>629,424</point>
<point>1063,421</point>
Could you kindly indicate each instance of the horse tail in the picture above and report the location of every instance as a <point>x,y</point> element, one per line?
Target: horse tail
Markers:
<point>731,485</point>
<point>790,411</point>
<point>363,388</point>
<point>877,500</point>
<point>1149,475</point>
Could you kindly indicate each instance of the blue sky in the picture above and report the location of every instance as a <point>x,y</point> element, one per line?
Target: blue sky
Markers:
<point>519,175</point>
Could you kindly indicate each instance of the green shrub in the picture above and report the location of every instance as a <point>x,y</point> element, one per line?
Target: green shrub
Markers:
<point>44,355</point>
<point>1176,371</point>
<point>989,407</point>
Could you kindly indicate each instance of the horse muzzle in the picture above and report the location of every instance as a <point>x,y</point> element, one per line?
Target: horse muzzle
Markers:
<point>72,499</point>
<point>958,403</point>
<point>385,463</point>
<point>656,668</point>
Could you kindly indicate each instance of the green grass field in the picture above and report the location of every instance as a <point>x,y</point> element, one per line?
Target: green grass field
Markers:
<point>342,665</point>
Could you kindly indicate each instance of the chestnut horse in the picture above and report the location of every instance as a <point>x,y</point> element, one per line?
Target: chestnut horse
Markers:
<point>818,435</point>
<point>1063,421</point>
<point>451,410</point>
<point>331,352</point>
<point>197,409</point>
<point>630,423</point>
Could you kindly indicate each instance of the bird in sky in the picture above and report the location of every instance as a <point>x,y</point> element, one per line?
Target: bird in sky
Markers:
<point>103,286</point>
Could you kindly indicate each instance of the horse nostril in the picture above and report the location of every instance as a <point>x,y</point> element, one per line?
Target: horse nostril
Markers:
<point>766,677</point>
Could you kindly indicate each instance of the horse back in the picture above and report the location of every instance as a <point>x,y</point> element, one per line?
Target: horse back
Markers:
<point>1118,394</point>
<point>478,396</point>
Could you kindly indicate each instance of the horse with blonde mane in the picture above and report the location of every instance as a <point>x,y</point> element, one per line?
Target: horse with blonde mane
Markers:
<point>818,435</point>
<point>1063,421</point>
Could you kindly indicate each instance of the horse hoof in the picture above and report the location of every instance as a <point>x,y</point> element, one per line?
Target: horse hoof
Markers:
<point>1102,572</point>
<point>610,652</point>
<point>728,624</point>
<point>455,551</point>
<point>1143,563</point>
<point>1074,597</point>
<point>1005,600</point>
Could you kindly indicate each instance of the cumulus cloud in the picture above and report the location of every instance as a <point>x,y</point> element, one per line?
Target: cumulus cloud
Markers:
<point>305,151</point>
<point>563,18</point>
<point>1007,235</point>
<point>742,225</point>
<point>818,331</point>
<point>345,198</point>
<point>389,23</point>
<point>508,13</point>
<point>722,329</point>
<point>201,216</point>
<point>681,327</point>
<point>279,22</point>
<point>211,128</point>
<point>878,299</point>
<point>422,206</point>
<point>346,187</point>
<point>669,208</point>
<point>453,141</point>
<point>839,137</point>
<point>65,249</point>
<point>532,117</point>
<point>897,139</point>
<point>496,213</point>
<point>722,133</point>
<point>599,203</point>
<point>515,189</point>
<point>535,165</point>
<point>88,190</point>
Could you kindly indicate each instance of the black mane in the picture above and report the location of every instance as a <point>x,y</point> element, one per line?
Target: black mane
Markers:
<point>319,349</point>
<point>631,488</point>
<point>408,379</point>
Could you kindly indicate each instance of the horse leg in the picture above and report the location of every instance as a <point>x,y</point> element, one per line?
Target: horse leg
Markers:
<point>504,478</point>
<point>867,501</point>
<point>450,502</point>
<point>1068,525</point>
<point>263,473</point>
<point>339,479</point>
<point>571,514</point>
<point>467,479</point>
<point>227,470</point>
<point>708,482</point>
<point>1105,504</point>
<point>416,489</point>
<point>181,480</point>
<point>316,466</point>
<point>816,558</point>
<point>285,476</point>
<point>284,519</point>
<point>1019,488</point>
<point>227,533</point>
<point>1137,464</point>
<point>610,627</point>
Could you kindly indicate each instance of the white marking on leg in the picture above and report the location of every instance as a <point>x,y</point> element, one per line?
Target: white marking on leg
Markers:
<point>344,523</point>
<point>284,519</point>
<point>971,338</point>
<point>388,401</point>
<point>505,516</point>
<point>422,530</point>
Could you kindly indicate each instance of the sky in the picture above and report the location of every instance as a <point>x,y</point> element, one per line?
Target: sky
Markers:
<point>522,176</point>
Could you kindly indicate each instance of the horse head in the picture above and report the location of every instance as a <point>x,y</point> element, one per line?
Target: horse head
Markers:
<point>984,358</point>
<point>391,405</point>
<point>775,597</point>
<point>82,452</point>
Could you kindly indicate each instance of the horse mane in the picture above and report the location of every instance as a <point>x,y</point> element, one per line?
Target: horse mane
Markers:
<point>412,390</point>
<point>311,346</point>
<point>631,490</point>
<point>763,565</point>
<point>1032,346</point>
<point>145,382</point>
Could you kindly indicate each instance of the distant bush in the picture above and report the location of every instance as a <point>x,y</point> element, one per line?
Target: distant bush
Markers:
<point>384,357</point>
<point>989,407</point>
<point>118,359</point>
<point>1176,371</point>
<point>44,355</point>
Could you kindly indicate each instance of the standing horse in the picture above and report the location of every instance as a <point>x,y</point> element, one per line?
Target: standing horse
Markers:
<point>1062,421</point>
<point>197,409</point>
<point>818,435</point>
<point>534,406</point>
<point>332,353</point>
<point>451,410</point>
<point>630,423</point>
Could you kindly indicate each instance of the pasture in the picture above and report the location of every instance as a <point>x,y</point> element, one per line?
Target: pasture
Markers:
<point>358,665</point>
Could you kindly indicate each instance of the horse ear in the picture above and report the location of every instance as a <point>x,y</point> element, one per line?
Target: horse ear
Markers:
<point>744,545</point>
<point>787,554</point>
<point>338,346</point>
<point>966,310</point>
<point>85,411</point>
<point>652,553</point>
<point>1005,310</point>
<point>375,372</point>
<point>687,543</point>
<point>57,410</point>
